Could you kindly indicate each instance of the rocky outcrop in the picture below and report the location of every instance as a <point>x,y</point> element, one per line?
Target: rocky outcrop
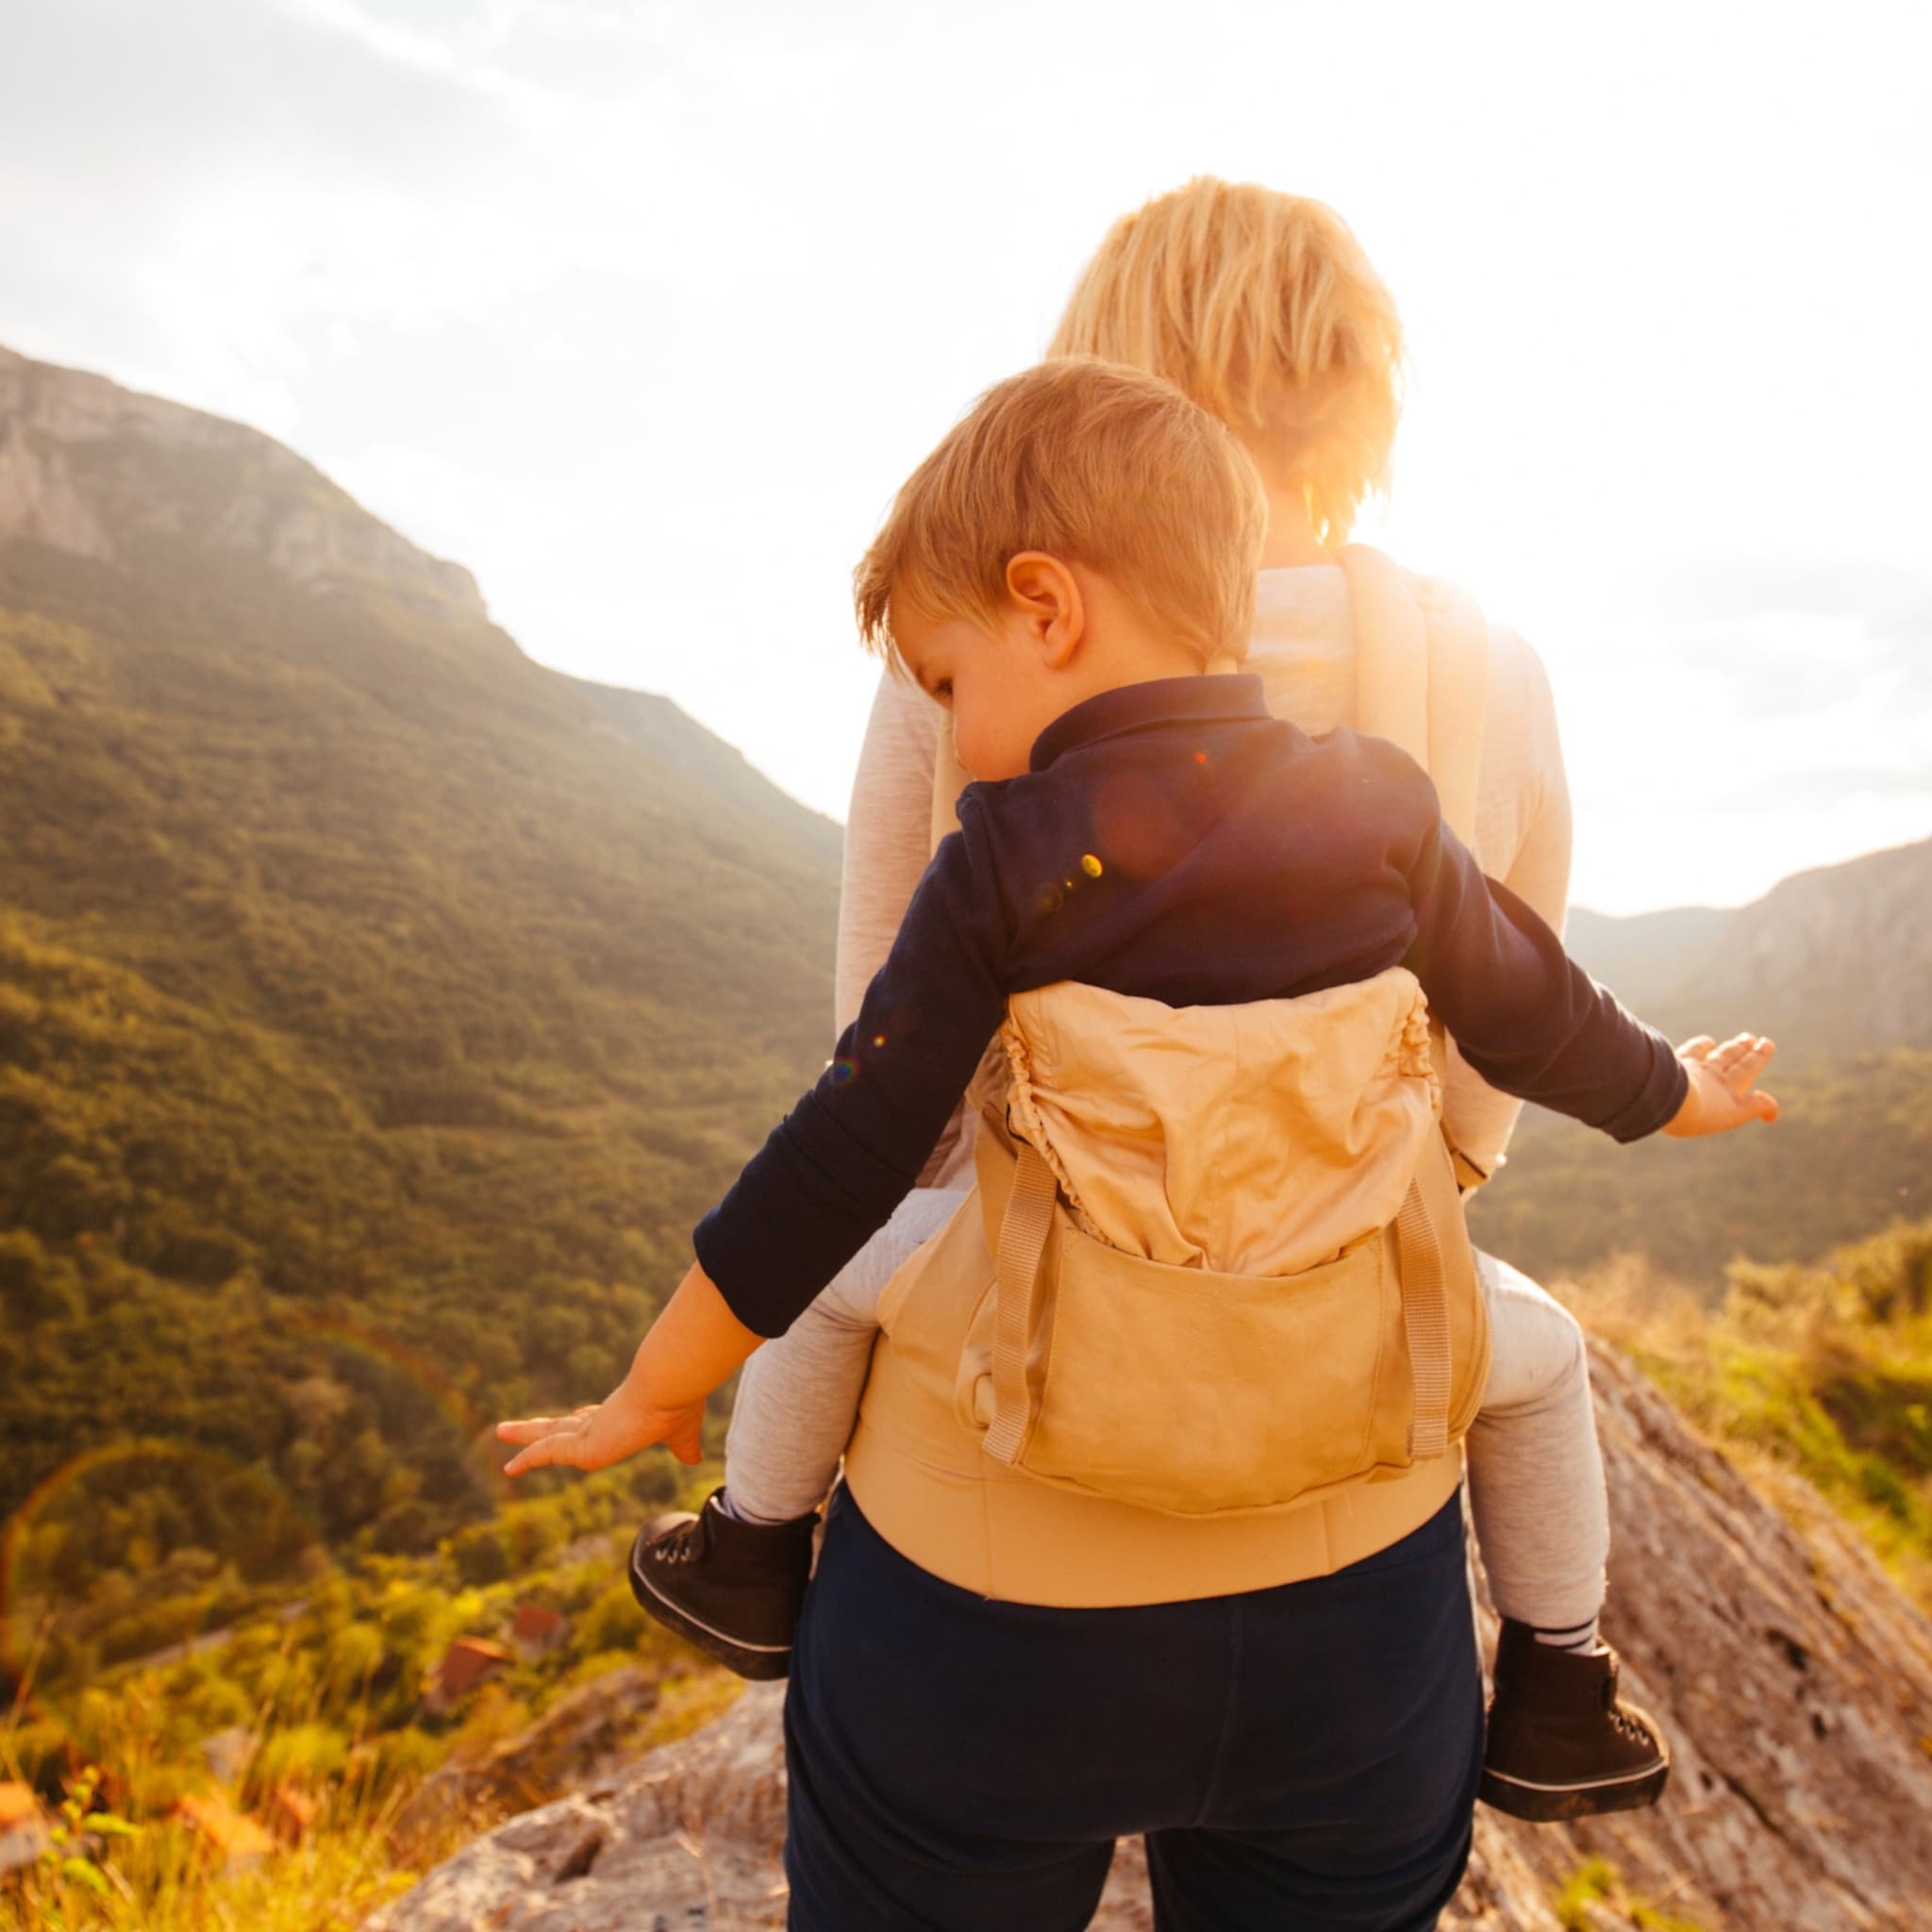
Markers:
<point>1796,1684</point>
<point>687,1837</point>
<point>100,472</point>
<point>1795,1680</point>
<point>577,1742</point>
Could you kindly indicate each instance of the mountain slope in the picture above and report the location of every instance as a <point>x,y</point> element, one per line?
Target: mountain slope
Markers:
<point>1648,956</point>
<point>1834,964</point>
<point>1831,960</point>
<point>355,975</point>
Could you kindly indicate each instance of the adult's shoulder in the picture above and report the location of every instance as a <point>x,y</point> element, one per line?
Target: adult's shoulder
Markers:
<point>1521,782</point>
<point>1518,706</point>
<point>1517,677</point>
<point>1521,746</point>
<point>887,832</point>
<point>1518,680</point>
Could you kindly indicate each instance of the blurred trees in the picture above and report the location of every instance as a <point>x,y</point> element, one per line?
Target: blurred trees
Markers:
<point>378,1012</point>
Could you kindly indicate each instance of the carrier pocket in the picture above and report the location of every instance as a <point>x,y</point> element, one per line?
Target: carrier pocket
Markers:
<point>1184,1390</point>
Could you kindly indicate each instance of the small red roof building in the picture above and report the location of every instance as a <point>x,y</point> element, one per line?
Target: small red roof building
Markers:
<point>17,1803</point>
<point>22,1827</point>
<point>535,1628</point>
<point>464,1665</point>
<point>288,1813</point>
<point>237,1840</point>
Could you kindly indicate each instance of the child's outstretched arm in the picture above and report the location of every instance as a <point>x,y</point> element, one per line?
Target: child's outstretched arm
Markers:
<point>1722,1095</point>
<point>827,1178</point>
<point>690,1349</point>
<point>1533,1022</point>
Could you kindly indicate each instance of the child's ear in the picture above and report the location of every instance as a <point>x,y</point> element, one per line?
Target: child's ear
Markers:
<point>1046,599</point>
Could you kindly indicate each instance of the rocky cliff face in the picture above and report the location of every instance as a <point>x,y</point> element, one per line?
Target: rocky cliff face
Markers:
<point>96,470</point>
<point>1795,1681</point>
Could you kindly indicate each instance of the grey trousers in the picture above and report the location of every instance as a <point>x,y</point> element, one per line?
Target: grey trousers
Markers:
<point>1536,1478</point>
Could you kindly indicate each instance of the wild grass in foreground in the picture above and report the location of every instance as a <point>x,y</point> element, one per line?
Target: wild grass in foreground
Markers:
<point>1595,1896</point>
<point>160,1877</point>
<point>1824,1372</point>
<point>330,1733</point>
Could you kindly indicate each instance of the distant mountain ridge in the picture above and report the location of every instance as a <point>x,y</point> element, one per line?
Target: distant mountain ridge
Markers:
<point>1835,964</point>
<point>359,978</point>
<point>1647,958</point>
<point>1836,959</point>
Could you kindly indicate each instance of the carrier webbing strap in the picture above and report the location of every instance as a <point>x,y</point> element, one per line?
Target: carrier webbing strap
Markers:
<point>1023,1242</point>
<point>1426,1321</point>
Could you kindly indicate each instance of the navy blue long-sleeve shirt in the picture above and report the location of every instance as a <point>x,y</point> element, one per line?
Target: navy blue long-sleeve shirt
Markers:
<point>1176,841</point>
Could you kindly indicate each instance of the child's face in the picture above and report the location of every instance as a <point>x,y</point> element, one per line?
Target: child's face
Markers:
<point>1000,693</point>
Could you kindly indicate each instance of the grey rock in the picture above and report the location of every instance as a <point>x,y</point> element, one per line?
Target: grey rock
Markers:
<point>580,1743</point>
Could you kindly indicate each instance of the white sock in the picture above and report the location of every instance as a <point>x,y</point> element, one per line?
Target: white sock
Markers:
<point>729,1507</point>
<point>1580,1638</point>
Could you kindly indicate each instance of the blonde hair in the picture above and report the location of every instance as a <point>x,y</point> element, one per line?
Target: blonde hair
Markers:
<point>1263,308</point>
<point>1094,464</point>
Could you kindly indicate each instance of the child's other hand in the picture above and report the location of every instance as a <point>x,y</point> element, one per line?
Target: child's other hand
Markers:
<point>1721,1077</point>
<point>606,1432</point>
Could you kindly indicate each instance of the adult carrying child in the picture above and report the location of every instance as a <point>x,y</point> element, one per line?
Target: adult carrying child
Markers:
<point>1281,1693</point>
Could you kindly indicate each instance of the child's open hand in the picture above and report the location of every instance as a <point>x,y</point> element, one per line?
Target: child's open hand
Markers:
<point>605,1432</point>
<point>1722,1093</point>
<point>691,1348</point>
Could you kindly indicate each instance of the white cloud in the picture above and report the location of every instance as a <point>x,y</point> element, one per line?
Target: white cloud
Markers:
<point>642,310</point>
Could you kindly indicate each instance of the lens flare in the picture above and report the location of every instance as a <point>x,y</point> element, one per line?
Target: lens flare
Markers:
<point>268,1526</point>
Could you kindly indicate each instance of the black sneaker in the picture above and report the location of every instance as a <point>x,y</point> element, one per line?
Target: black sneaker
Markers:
<point>1561,1744</point>
<point>733,1588</point>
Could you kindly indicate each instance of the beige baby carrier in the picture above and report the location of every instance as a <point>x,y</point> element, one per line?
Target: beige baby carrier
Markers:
<point>1209,1321</point>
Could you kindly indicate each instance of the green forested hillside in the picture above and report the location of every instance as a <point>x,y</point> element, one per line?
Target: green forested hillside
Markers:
<point>377,1010</point>
<point>1852,1151</point>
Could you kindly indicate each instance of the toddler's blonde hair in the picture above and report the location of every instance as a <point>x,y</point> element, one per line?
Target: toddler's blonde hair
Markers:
<point>1092,463</point>
<point>1263,308</point>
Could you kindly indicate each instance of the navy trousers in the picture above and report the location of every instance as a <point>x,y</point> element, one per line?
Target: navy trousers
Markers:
<point>1299,1757</point>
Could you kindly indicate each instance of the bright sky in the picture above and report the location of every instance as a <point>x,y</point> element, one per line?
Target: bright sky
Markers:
<point>643,311</point>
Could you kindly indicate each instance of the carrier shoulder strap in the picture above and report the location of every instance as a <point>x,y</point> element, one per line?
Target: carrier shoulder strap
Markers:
<point>1024,1230</point>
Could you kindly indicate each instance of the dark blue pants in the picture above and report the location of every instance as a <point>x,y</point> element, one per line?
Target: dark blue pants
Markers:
<point>1299,1757</point>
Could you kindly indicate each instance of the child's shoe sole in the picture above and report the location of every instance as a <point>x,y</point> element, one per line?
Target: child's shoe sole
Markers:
<point>760,1663</point>
<point>1543,1803</point>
